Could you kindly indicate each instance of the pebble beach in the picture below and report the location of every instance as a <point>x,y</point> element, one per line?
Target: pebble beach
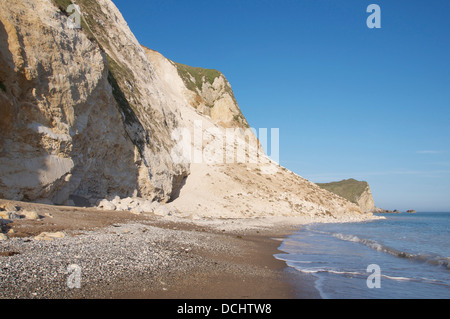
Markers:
<point>121,255</point>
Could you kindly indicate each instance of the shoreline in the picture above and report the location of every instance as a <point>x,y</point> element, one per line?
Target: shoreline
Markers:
<point>121,255</point>
<point>253,273</point>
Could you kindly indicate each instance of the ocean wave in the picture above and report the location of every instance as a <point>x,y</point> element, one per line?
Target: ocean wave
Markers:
<point>326,270</point>
<point>434,260</point>
<point>347,273</point>
<point>319,270</point>
<point>397,278</point>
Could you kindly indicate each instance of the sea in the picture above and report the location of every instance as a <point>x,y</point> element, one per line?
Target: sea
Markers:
<point>404,256</point>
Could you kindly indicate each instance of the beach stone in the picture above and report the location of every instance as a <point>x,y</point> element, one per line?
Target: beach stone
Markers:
<point>4,222</point>
<point>137,210</point>
<point>162,211</point>
<point>134,205</point>
<point>3,237</point>
<point>10,215</point>
<point>130,201</point>
<point>128,204</point>
<point>4,215</point>
<point>9,207</point>
<point>122,207</point>
<point>106,205</point>
<point>115,200</point>
<point>149,206</point>
<point>49,236</point>
<point>32,215</point>
<point>119,205</point>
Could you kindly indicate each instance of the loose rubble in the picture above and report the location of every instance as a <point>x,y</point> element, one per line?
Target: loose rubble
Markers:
<point>135,205</point>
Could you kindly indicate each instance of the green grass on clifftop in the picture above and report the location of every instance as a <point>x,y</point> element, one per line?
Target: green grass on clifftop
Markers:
<point>349,189</point>
<point>195,77</point>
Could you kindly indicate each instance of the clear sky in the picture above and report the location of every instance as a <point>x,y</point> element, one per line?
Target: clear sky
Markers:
<point>350,102</point>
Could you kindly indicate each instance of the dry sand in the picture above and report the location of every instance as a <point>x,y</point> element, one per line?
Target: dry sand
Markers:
<point>122,255</point>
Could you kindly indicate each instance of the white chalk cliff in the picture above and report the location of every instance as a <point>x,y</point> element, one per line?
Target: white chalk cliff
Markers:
<point>90,112</point>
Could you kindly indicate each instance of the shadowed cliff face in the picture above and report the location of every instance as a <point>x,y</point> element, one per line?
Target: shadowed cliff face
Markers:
<point>73,120</point>
<point>6,109</point>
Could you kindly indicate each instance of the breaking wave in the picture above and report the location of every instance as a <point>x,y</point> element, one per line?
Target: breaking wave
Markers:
<point>434,260</point>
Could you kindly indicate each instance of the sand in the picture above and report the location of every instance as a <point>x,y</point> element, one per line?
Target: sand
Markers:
<point>122,255</point>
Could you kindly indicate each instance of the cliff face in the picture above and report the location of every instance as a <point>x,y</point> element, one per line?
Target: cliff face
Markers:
<point>207,92</point>
<point>366,202</point>
<point>83,111</point>
<point>90,112</point>
<point>211,94</point>
<point>355,191</point>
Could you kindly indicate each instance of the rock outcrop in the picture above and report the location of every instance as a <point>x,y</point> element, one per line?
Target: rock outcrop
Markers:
<point>206,90</point>
<point>355,191</point>
<point>82,111</point>
<point>89,114</point>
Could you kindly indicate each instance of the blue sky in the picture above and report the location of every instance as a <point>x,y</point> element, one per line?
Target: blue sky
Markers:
<point>350,102</point>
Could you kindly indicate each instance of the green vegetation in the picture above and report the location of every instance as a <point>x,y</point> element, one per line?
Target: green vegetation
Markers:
<point>130,117</point>
<point>119,74</point>
<point>90,23</point>
<point>2,86</point>
<point>239,118</point>
<point>121,100</point>
<point>349,189</point>
<point>62,5</point>
<point>193,77</point>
